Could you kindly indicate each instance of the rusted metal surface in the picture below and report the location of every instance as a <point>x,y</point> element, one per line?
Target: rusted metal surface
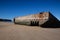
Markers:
<point>43,18</point>
<point>40,18</point>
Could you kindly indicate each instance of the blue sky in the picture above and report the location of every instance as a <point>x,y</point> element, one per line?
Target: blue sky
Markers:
<point>13,8</point>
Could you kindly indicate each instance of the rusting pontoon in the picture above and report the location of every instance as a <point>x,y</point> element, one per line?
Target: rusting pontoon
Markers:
<point>36,19</point>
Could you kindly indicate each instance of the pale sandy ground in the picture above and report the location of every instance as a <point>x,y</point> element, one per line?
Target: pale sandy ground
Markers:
<point>10,31</point>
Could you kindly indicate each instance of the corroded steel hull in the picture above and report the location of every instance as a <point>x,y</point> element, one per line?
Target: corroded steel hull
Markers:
<point>43,19</point>
<point>35,19</point>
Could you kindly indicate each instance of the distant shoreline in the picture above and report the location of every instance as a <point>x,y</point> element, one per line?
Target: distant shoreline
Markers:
<point>6,20</point>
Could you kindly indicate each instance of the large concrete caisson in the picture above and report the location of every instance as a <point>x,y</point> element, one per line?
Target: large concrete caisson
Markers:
<point>40,19</point>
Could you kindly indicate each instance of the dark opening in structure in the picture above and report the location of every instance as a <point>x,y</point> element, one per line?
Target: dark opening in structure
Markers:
<point>34,23</point>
